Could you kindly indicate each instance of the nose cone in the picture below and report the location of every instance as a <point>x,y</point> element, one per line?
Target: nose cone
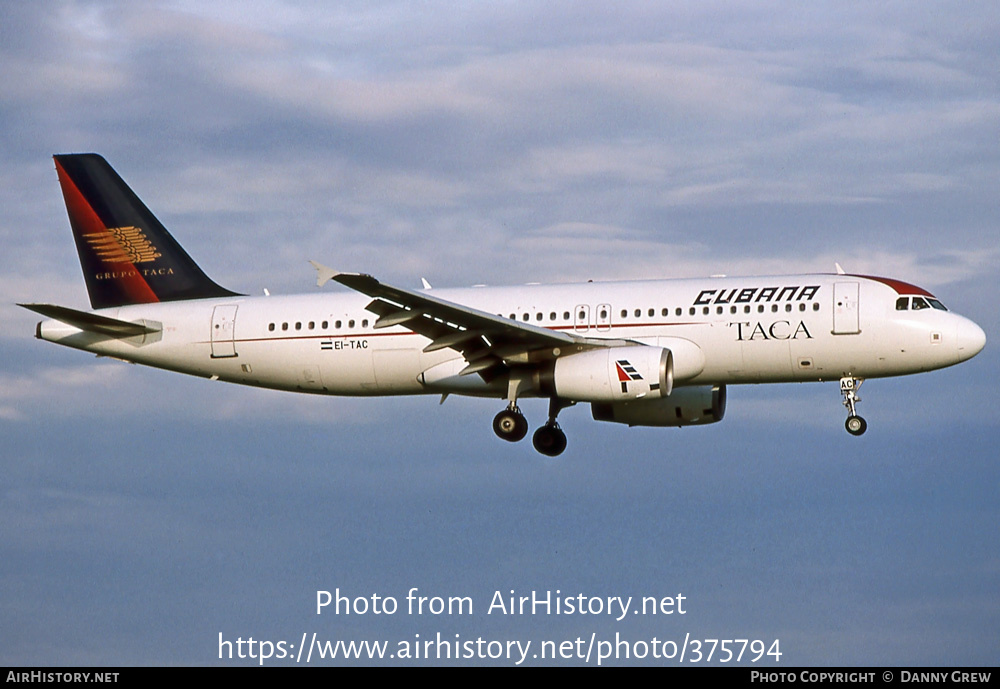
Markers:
<point>970,339</point>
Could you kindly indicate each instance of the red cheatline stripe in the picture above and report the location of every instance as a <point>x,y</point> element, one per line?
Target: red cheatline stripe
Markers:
<point>85,220</point>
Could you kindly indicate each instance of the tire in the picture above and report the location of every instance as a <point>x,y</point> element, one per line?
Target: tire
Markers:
<point>856,425</point>
<point>549,440</point>
<point>510,426</point>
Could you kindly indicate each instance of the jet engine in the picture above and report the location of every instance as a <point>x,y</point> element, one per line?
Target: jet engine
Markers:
<point>683,407</point>
<point>615,373</point>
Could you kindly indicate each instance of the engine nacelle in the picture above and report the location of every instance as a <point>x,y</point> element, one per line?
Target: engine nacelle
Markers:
<point>613,374</point>
<point>684,407</point>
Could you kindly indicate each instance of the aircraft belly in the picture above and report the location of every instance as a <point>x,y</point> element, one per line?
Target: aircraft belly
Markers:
<point>348,370</point>
<point>763,361</point>
<point>396,370</point>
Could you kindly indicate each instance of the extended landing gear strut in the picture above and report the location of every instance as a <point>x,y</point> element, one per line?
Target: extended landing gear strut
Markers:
<point>510,424</point>
<point>855,425</point>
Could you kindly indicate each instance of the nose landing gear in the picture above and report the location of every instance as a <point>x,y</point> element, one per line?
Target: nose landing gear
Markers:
<point>855,424</point>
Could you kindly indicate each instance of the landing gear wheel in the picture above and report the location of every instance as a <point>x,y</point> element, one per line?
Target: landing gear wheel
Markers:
<point>856,425</point>
<point>510,425</point>
<point>549,440</point>
<point>849,385</point>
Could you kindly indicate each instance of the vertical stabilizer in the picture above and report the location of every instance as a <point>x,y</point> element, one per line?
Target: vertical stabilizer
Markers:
<point>128,257</point>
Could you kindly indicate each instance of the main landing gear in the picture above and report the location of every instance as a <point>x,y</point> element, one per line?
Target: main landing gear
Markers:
<point>550,440</point>
<point>510,424</point>
<point>855,424</point>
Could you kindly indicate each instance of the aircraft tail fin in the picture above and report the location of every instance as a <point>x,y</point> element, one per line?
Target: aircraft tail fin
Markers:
<point>128,257</point>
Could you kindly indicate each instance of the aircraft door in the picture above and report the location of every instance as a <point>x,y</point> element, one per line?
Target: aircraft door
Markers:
<point>845,309</point>
<point>581,318</point>
<point>224,331</point>
<point>604,317</point>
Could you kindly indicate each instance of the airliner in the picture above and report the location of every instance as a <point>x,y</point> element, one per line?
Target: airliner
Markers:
<point>641,353</point>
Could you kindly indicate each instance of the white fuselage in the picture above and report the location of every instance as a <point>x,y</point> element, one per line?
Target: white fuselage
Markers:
<point>723,331</point>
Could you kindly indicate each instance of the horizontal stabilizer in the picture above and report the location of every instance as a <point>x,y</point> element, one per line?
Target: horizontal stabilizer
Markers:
<point>91,322</point>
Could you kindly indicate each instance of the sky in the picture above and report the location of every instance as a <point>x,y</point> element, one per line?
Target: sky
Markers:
<point>146,516</point>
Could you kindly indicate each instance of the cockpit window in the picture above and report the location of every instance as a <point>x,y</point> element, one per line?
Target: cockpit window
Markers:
<point>902,304</point>
<point>920,303</point>
<point>937,305</point>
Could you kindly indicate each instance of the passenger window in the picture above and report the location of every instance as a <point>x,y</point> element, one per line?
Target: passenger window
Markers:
<point>552,316</point>
<point>732,309</point>
<point>624,313</point>
<point>270,326</point>
<point>746,309</point>
<point>565,315</point>
<point>665,312</point>
<point>691,311</point>
<point>364,323</point>
<point>718,310</point>
<point>902,304</point>
<point>816,306</point>
<point>350,323</point>
<point>638,313</point>
<point>326,324</point>
<point>760,308</point>
<point>337,325</point>
<point>538,316</point>
<point>774,308</point>
<point>788,307</point>
<point>652,312</point>
<point>525,317</point>
<point>284,326</point>
<point>802,307</point>
<point>678,312</point>
<point>312,325</point>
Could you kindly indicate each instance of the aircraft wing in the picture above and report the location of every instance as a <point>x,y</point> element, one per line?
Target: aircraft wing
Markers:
<point>486,340</point>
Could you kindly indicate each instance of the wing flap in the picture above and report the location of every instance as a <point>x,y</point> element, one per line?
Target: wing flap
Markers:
<point>451,340</point>
<point>398,318</point>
